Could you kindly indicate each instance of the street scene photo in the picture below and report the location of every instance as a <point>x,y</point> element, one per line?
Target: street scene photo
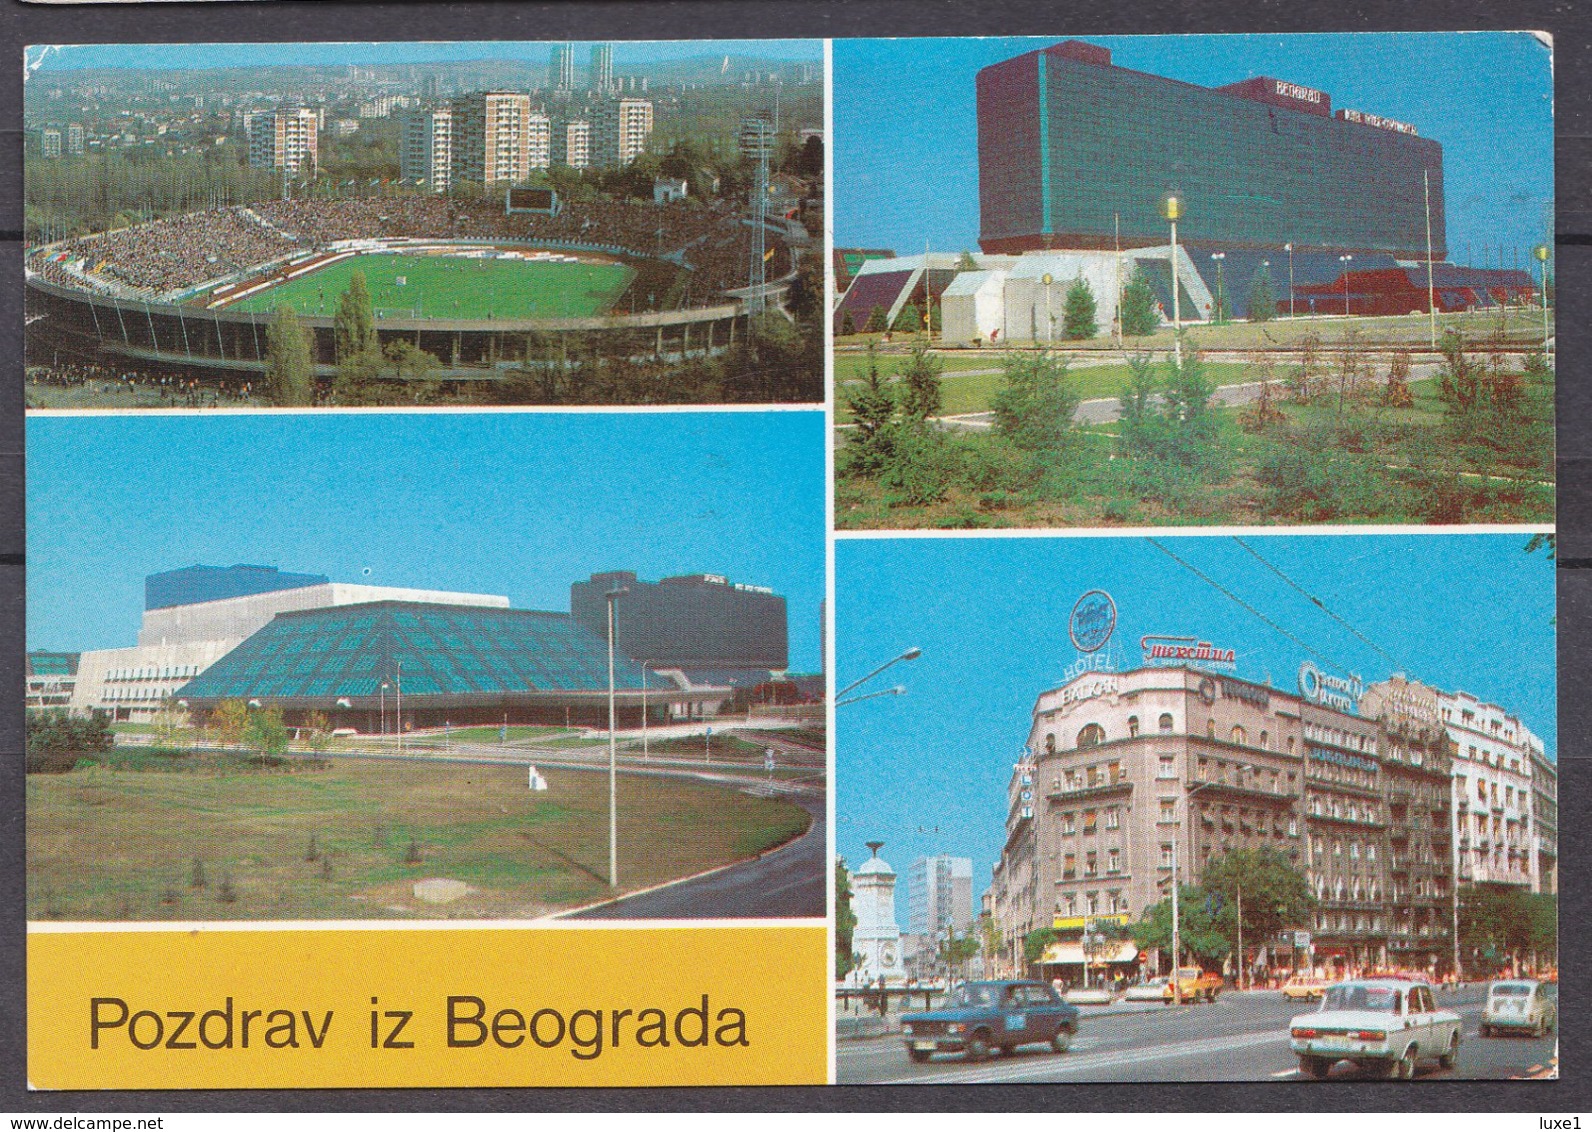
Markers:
<point>1135,281</point>
<point>427,666</point>
<point>1196,808</point>
<point>335,224</point>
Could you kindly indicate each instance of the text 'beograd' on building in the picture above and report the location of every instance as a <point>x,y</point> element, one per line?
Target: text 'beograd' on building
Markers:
<point>1377,794</point>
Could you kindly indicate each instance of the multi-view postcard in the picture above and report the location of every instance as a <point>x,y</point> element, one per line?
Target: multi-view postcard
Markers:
<point>511,600</point>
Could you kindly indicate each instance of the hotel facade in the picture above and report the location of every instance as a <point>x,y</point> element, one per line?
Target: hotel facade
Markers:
<point>1128,775</point>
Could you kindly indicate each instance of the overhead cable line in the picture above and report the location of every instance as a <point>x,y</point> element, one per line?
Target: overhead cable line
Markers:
<point>1321,605</point>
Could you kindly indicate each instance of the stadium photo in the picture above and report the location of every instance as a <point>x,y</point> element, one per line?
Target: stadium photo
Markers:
<point>499,237</point>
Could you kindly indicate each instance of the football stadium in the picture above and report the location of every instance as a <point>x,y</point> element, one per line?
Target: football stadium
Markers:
<point>465,280</point>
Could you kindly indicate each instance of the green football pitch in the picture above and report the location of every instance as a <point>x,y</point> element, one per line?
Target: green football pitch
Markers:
<point>447,287</point>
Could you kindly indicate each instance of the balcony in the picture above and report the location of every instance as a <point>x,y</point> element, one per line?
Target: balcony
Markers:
<point>1100,789</point>
<point>1209,785</point>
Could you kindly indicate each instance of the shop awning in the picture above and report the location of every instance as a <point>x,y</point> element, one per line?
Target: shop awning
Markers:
<point>1122,951</point>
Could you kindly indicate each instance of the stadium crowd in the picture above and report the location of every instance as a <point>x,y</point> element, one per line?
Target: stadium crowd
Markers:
<point>166,257</point>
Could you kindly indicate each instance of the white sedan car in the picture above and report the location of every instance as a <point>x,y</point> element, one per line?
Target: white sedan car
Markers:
<point>1152,991</point>
<point>1384,1025</point>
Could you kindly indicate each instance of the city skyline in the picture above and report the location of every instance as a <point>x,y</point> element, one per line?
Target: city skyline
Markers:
<point>113,499</point>
<point>1498,160</point>
<point>65,58</point>
<point>927,772</point>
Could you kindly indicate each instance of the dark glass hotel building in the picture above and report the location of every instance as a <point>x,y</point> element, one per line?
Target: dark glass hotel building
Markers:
<point>1069,144</point>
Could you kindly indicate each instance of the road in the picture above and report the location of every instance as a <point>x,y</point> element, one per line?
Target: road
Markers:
<point>787,883</point>
<point>1105,410</point>
<point>1241,1037</point>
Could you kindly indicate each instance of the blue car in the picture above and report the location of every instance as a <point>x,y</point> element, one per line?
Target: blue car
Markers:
<point>985,1016</point>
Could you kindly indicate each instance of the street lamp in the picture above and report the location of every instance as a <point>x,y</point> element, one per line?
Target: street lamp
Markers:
<point>910,654</point>
<point>1344,259</point>
<point>1541,252</point>
<point>1172,209</point>
<point>1177,932</point>
<point>1221,313</point>
<point>646,753</point>
<point>898,690</point>
<point>1050,319</point>
<point>1289,248</point>
<point>384,709</point>
<point>613,758</point>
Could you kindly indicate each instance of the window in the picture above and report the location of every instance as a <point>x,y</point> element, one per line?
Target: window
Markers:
<point>1166,855</point>
<point>1092,736</point>
<point>1088,821</point>
<point>1265,741</point>
<point>1168,767</point>
<point>1113,818</point>
<point>1168,809</point>
<point>1069,866</point>
<point>1210,729</point>
<point>1068,824</point>
<point>1091,903</point>
<point>1165,722</point>
<point>1114,862</point>
<point>1133,726</point>
<point>1239,736</point>
<point>1091,864</point>
<point>1050,744</point>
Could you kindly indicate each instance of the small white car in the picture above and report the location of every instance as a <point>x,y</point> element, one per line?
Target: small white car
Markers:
<point>1520,1005</point>
<point>1382,1025</point>
<point>1152,991</point>
<point>1093,996</point>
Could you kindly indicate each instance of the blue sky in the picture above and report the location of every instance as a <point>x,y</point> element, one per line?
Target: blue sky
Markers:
<point>520,504</point>
<point>906,129</point>
<point>187,56</point>
<point>1461,612</point>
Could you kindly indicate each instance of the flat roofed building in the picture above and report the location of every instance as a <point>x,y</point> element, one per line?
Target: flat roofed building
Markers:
<point>492,137</point>
<point>286,139</point>
<point>701,621</point>
<point>192,584</point>
<point>1074,152</point>
<point>425,148</point>
<point>621,128</point>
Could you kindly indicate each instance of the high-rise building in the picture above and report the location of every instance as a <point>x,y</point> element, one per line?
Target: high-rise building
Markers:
<point>74,138</point>
<point>940,896</point>
<point>1493,760</point>
<point>694,621</point>
<point>50,142</point>
<point>621,127</point>
<point>286,139</point>
<point>561,68</point>
<point>572,143</point>
<point>1070,146</point>
<point>538,141</point>
<point>601,76</point>
<point>425,148</point>
<point>492,137</point>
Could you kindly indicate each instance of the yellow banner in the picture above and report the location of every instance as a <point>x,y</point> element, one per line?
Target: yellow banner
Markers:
<point>365,1008</point>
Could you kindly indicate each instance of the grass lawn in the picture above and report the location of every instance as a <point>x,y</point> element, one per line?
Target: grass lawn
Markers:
<point>442,286</point>
<point>114,843</point>
<point>970,388</point>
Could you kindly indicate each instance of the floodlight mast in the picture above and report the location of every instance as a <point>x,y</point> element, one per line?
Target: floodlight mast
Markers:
<point>613,760</point>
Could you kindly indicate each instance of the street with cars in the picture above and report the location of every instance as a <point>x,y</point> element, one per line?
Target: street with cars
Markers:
<point>1242,1036</point>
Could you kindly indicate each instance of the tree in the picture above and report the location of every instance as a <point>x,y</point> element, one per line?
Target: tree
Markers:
<point>289,367</point>
<point>920,378</point>
<point>265,732</point>
<point>1198,930</point>
<point>966,262</point>
<point>956,950</point>
<point>873,409</point>
<point>354,324</point>
<point>320,730</point>
<point>845,919</point>
<point>1035,942</point>
<point>416,371</point>
<point>1035,407</point>
<point>1139,423</point>
<point>227,721</point>
<point>878,320</point>
<point>1275,895</point>
<point>848,325</point>
<point>56,738</point>
<point>1262,299</point>
<point>909,321</point>
<point>1139,316</point>
<point>1078,317</point>
<point>171,725</point>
